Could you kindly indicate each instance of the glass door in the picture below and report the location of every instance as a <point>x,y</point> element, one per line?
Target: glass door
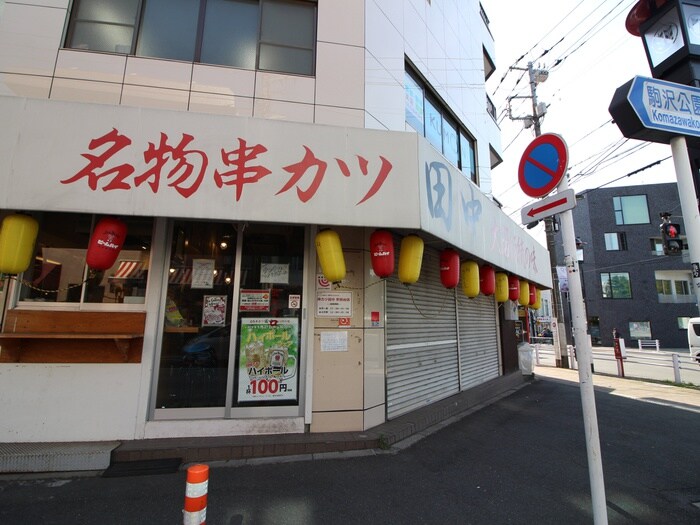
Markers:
<point>196,332</point>
<point>269,321</point>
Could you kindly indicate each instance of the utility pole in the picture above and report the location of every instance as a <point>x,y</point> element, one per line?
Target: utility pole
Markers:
<point>537,76</point>
<point>579,328</point>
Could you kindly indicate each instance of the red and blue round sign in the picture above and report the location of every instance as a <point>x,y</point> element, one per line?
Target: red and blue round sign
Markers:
<point>543,165</point>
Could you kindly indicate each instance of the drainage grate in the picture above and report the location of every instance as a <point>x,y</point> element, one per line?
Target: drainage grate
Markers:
<point>55,457</point>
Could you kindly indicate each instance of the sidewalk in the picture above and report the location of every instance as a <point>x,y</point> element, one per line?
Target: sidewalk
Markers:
<point>144,454</point>
<point>149,456</point>
<point>652,392</point>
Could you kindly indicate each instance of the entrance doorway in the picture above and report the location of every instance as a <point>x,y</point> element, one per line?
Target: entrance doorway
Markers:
<point>232,323</point>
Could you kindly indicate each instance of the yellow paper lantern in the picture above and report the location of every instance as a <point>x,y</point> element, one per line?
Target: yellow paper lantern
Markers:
<point>410,259</point>
<point>538,299</point>
<point>17,238</point>
<point>524,299</point>
<point>469,271</point>
<point>330,255</point>
<point>501,287</point>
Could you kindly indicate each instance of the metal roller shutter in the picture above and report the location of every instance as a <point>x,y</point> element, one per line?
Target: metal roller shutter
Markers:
<point>421,353</point>
<point>478,340</point>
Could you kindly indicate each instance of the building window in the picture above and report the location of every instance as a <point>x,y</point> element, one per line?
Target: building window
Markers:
<point>631,209</point>
<point>615,241</point>
<point>682,287</point>
<point>468,157</point>
<point>432,120</point>
<point>271,35</point>
<point>616,285</point>
<point>433,125</point>
<point>674,286</point>
<point>663,287</point>
<point>657,246</point>
<point>683,322</point>
<point>640,330</point>
<point>59,273</point>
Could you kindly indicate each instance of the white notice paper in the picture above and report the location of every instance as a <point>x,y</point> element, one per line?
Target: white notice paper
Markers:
<point>334,341</point>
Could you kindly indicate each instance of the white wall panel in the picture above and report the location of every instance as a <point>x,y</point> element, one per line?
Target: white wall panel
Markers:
<point>82,65</point>
<point>86,91</point>
<point>68,402</point>
<point>31,86</point>
<point>29,38</point>
<point>223,80</point>
<point>340,77</point>
<point>341,22</point>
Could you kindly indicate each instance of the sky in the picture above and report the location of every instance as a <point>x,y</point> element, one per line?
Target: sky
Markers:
<point>584,46</point>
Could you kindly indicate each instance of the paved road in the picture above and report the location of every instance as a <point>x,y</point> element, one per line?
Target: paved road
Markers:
<point>521,460</point>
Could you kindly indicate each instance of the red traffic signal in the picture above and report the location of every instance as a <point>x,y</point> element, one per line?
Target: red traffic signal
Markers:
<point>671,237</point>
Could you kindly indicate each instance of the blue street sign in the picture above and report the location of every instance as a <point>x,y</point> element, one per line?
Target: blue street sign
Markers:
<point>666,106</point>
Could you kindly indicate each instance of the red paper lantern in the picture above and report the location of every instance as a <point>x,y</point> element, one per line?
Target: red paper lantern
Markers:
<point>381,252</point>
<point>513,288</point>
<point>533,295</point>
<point>487,280</point>
<point>449,268</point>
<point>106,243</point>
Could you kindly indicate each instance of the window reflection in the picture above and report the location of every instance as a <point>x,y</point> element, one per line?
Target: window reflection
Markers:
<point>197,315</point>
<point>59,274</point>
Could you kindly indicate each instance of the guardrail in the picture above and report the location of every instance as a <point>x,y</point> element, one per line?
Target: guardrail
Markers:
<point>656,365</point>
<point>648,343</point>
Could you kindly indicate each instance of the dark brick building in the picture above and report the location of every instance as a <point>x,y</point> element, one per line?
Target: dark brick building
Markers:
<point>628,282</point>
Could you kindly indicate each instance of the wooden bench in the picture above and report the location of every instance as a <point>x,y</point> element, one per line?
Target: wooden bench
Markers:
<point>32,336</point>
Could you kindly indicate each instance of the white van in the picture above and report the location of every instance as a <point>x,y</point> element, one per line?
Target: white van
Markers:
<point>694,337</point>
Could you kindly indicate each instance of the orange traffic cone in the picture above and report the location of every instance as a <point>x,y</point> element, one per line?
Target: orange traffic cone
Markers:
<point>195,512</point>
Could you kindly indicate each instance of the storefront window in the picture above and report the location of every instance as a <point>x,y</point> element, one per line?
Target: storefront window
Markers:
<point>197,326</point>
<point>200,334</point>
<point>59,274</point>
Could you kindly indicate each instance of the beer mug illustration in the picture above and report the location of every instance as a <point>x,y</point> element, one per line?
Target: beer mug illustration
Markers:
<point>278,359</point>
<point>255,358</point>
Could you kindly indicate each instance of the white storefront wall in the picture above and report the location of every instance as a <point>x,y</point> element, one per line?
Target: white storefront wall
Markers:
<point>249,169</point>
<point>352,177</point>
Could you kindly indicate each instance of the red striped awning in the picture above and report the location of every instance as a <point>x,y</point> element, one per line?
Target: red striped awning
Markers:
<point>129,270</point>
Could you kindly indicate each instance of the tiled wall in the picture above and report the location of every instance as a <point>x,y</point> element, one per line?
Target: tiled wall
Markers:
<point>32,64</point>
<point>444,40</point>
<point>359,70</point>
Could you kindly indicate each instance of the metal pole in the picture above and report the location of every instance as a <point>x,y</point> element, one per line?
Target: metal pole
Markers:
<point>559,339</point>
<point>689,206</point>
<point>585,361</point>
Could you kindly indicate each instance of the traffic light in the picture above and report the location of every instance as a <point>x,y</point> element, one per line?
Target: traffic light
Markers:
<point>671,237</point>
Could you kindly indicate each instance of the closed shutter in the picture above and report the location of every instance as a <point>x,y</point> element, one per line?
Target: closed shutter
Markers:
<point>477,339</point>
<point>421,352</point>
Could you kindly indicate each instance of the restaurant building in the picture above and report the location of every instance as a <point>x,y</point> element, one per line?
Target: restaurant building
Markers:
<point>210,143</point>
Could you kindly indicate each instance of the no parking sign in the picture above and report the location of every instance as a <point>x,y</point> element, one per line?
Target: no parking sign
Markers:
<point>543,165</point>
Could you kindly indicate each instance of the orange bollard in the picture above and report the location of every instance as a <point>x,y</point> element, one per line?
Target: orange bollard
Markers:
<point>195,512</point>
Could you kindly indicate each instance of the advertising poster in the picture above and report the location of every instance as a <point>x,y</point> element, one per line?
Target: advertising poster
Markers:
<point>214,310</point>
<point>268,360</point>
<point>255,301</point>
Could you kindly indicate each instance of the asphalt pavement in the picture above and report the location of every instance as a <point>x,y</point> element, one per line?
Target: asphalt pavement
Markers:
<point>520,460</point>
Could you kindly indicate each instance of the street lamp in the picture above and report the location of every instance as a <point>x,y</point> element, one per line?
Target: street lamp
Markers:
<point>670,31</point>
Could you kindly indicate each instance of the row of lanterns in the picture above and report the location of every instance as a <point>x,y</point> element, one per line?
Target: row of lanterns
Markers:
<point>475,279</point>
<point>18,235</point>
